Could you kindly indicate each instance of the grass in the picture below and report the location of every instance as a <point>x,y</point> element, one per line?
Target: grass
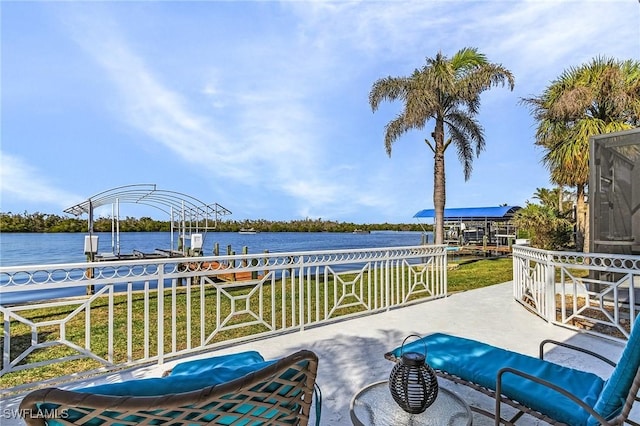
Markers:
<point>467,276</point>
<point>479,273</point>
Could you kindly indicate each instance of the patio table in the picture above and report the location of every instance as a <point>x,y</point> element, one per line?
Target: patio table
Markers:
<point>373,405</point>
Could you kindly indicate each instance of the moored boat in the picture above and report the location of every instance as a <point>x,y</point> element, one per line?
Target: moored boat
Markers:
<point>247,231</point>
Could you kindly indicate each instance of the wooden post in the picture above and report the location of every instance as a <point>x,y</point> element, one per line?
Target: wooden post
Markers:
<point>90,274</point>
<point>265,262</point>
<point>232,262</point>
<point>233,265</point>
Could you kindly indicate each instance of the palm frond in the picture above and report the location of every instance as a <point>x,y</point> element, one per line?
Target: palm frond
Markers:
<point>388,89</point>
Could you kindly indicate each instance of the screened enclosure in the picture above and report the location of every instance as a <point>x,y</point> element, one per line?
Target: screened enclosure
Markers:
<point>614,193</point>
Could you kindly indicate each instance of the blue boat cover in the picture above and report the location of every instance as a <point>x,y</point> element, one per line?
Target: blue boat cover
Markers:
<point>472,212</point>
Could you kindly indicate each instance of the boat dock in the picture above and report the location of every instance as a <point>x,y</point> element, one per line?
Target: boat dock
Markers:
<point>483,250</point>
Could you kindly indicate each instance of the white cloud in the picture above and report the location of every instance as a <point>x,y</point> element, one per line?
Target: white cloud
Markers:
<point>269,136</point>
<point>267,140</point>
<point>20,180</point>
<point>530,37</point>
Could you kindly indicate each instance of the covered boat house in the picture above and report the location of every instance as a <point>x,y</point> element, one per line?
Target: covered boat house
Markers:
<point>489,226</point>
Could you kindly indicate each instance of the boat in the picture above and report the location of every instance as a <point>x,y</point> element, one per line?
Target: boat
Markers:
<point>247,231</point>
<point>361,231</point>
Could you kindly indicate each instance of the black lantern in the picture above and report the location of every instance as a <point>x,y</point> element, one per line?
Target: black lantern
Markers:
<point>413,383</point>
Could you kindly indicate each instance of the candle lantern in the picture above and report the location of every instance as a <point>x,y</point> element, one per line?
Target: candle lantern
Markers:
<point>412,382</point>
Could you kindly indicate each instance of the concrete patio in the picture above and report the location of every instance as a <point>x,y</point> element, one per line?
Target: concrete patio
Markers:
<point>351,352</point>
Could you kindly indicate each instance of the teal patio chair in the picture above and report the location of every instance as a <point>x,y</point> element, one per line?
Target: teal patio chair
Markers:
<point>239,389</point>
<point>551,392</point>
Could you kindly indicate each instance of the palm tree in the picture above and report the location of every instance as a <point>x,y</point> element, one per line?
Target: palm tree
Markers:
<point>448,91</point>
<point>547,228</point>
<point>602,96</point>
<point>556,198</point>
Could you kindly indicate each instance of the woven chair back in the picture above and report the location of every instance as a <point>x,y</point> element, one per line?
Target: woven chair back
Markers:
<point>279,394</point>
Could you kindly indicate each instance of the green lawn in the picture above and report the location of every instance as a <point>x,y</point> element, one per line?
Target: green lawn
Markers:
<point>481,273</point>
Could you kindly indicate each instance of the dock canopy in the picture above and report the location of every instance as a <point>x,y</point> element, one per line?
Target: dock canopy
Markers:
<point>189,217</point>
<point>470,225</point>
<point>472,213</point>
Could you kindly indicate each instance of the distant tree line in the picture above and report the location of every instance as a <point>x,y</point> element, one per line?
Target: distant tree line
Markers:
<point>43,222</point>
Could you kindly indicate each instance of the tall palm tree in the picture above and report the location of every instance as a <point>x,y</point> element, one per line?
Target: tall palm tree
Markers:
<point>448,91</point>
<point>602,96</point>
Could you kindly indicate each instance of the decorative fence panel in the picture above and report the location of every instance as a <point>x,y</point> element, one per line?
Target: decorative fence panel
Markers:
<point>148,310</point>
<point>595,292</point>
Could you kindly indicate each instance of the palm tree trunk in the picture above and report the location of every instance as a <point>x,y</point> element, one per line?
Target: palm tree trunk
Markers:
<point>582,243</point>
<point>560,194</point>
<point>439,196</point>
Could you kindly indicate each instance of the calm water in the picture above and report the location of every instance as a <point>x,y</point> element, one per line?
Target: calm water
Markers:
<point>38,249</point>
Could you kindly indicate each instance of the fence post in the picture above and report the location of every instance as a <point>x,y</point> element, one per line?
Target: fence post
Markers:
<point>160,313</point>
<point>387,282</point>
<point>445,269</point>
<point>301,293</point>
<point>550,289</point>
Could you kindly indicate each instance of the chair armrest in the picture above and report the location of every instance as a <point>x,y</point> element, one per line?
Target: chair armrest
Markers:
<point>546,383</point>
<point>575,348</point>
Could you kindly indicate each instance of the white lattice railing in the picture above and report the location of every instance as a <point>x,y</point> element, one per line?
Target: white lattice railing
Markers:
<point>591,291</point>
<point>148,310</point>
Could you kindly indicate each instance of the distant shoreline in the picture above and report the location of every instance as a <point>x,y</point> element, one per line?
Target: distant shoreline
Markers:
<point>52,223</point>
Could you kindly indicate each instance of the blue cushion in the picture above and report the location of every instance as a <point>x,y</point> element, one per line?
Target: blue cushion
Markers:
<point>479,363</point>
<point>193,375</point>
<point>206,364</point>
<point>174,384</point>
<point>617,387</point>
<point>185,377</point>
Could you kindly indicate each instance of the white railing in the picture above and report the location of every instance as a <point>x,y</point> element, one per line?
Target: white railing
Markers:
<point>149,310</point>
<point>595,292</point>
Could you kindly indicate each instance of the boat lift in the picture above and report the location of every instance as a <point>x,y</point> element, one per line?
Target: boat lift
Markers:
<point>190,218</point>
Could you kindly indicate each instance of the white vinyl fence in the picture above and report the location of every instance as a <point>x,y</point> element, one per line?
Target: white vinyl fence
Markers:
<point>148,310</point>
<point>595,292</point>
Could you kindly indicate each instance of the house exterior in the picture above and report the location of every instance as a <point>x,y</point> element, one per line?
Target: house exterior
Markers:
<point>614,193</point>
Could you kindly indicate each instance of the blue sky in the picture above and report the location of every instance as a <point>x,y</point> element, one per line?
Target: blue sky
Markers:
<point>263,107</point>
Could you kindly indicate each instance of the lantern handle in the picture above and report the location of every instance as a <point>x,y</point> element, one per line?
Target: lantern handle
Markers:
<point>419,337</point>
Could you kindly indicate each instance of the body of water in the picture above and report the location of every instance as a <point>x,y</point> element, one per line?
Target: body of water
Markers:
<point>45,249</point>
<point>38,249</point>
